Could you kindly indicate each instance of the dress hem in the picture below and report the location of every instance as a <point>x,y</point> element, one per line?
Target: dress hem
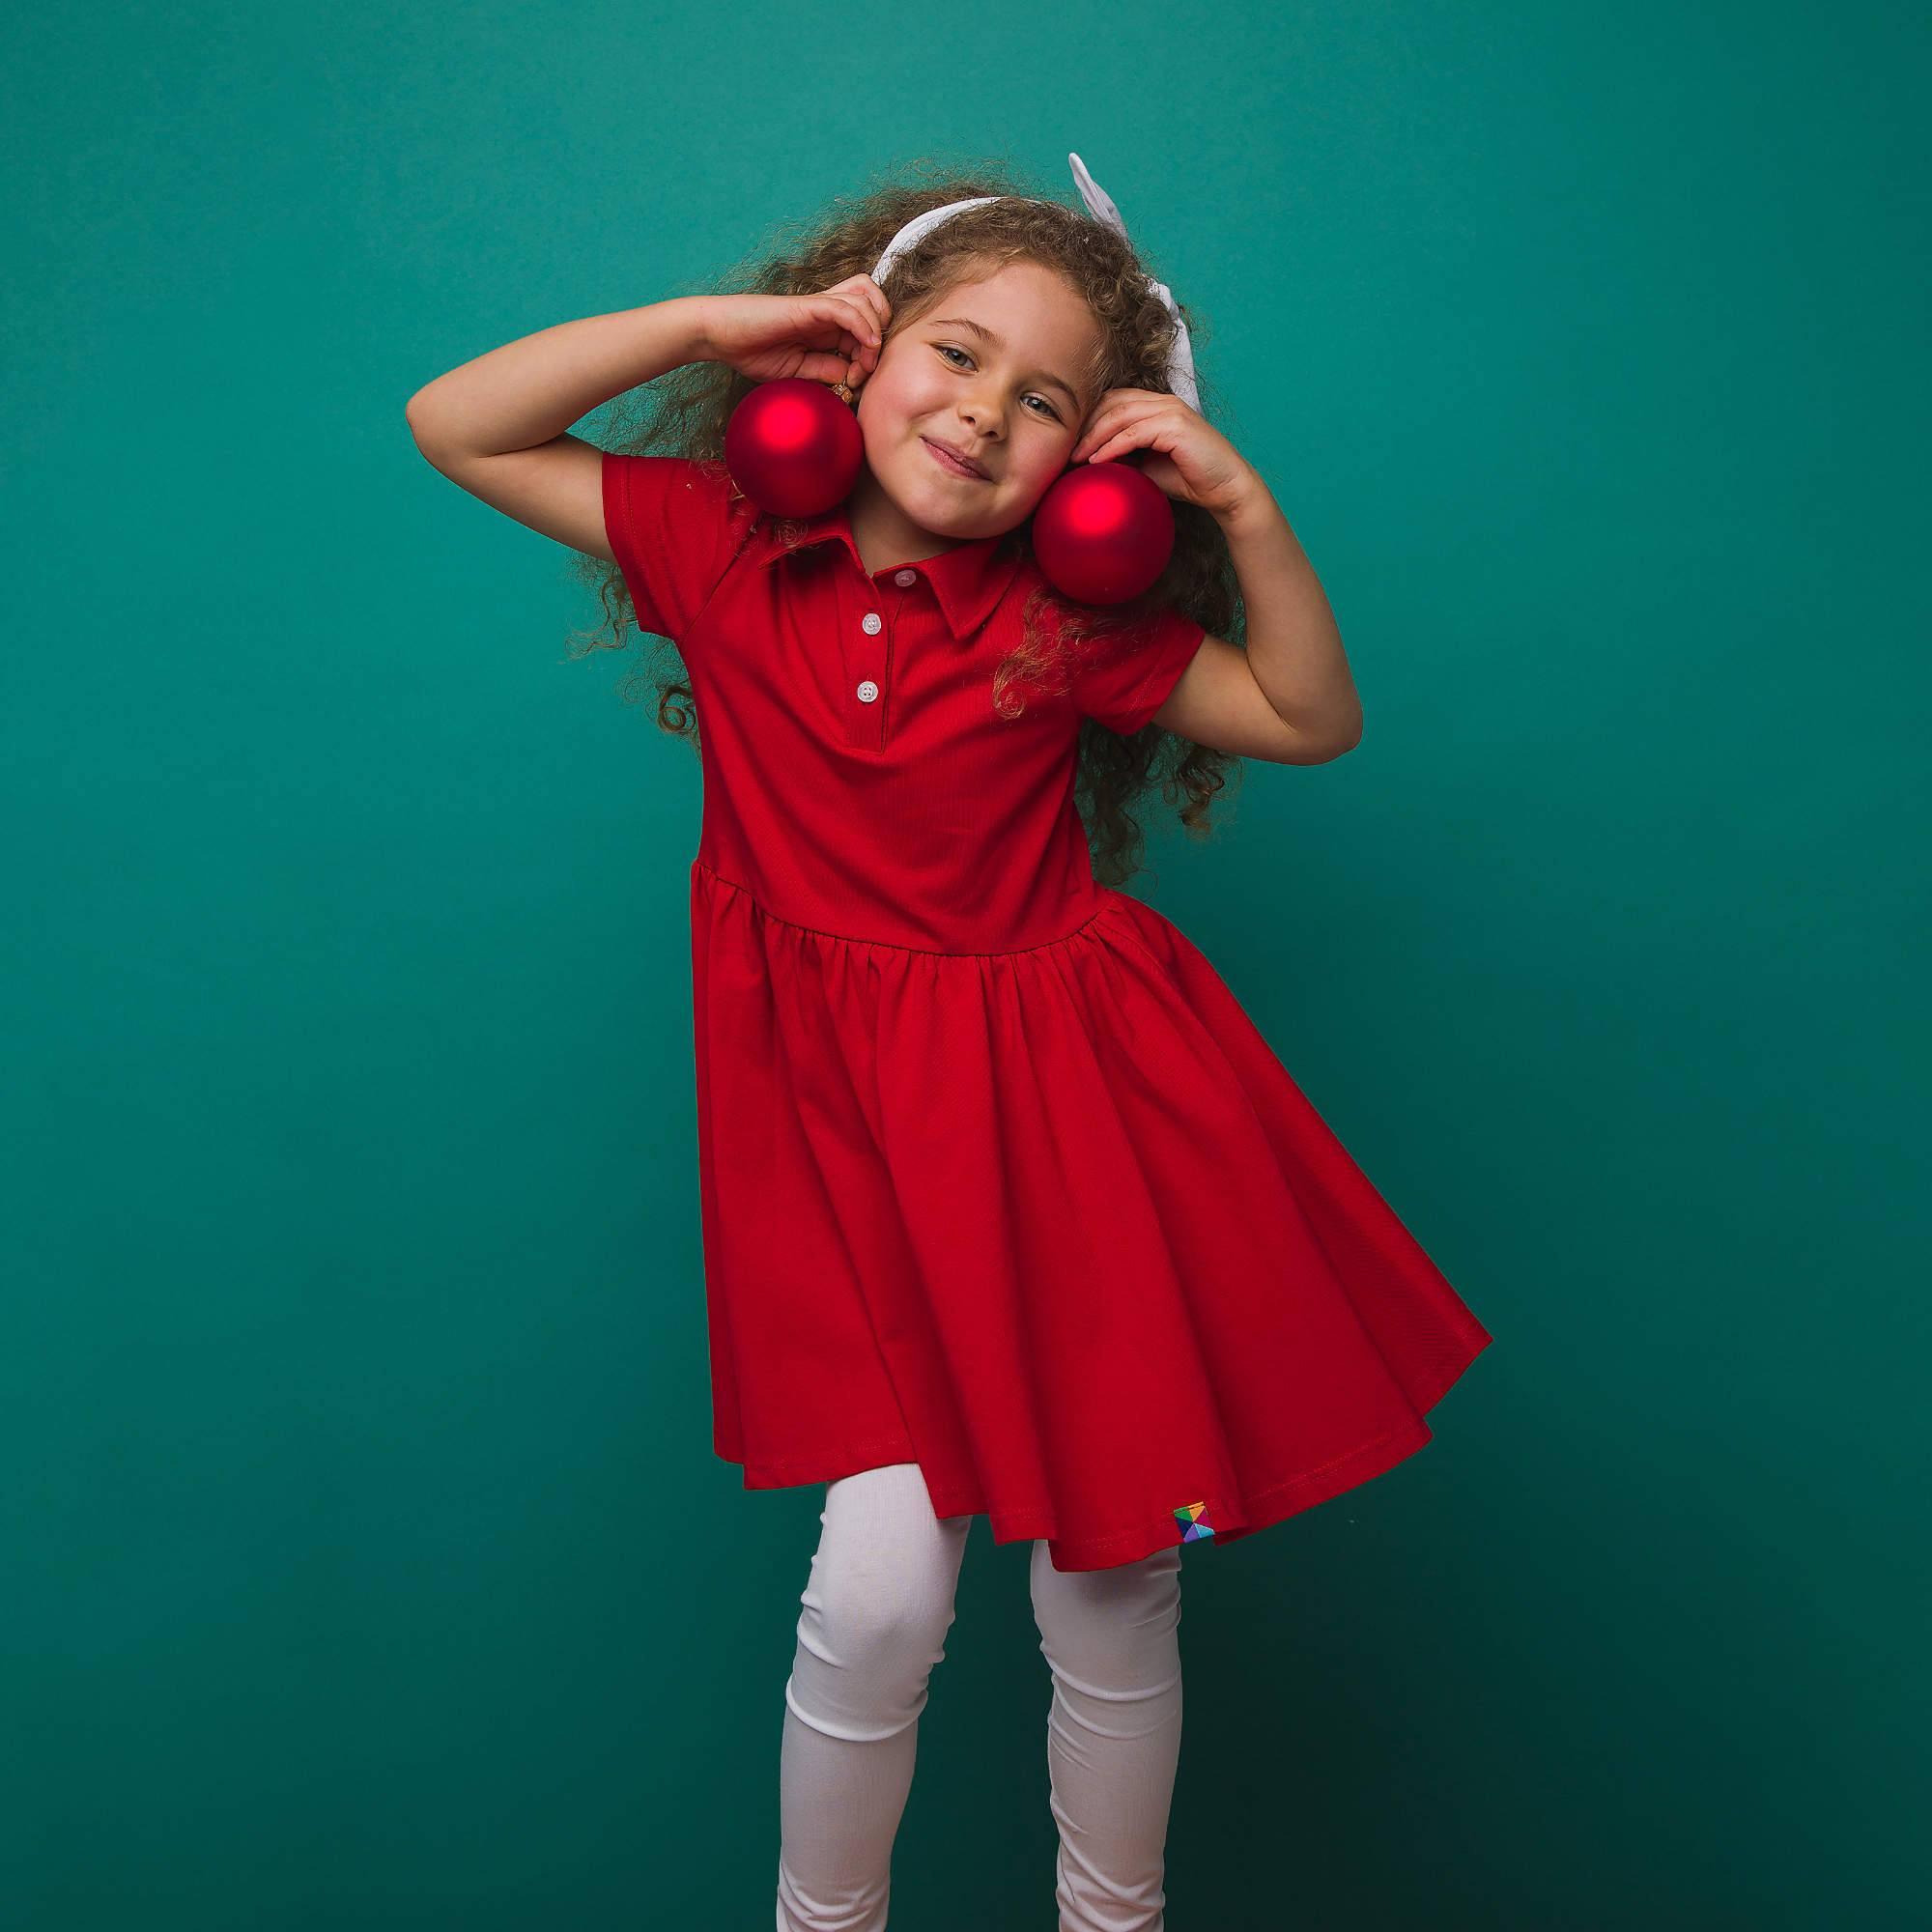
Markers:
<point>1225,1518</point>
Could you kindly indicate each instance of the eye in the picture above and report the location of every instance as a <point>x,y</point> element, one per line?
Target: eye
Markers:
<point>947,348</point>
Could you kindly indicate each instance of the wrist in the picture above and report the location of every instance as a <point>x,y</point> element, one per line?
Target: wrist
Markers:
<point>1249,504</point>
<point>696,312</point>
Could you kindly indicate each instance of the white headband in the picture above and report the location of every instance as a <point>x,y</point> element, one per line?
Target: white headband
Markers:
<point>1100,206</point>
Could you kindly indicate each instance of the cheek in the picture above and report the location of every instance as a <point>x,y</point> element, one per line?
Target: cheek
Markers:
<point>1045,458</point>
<point>906,391</point>
<point>883,407</point>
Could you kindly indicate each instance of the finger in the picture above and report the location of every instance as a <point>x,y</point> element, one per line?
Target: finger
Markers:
<point>851,318</point>
<point>819,366</point>
<point>1088,429</point>
<point>873,306</point>
<point>1110,420</point>
<point>867,302</point>
<point>847,366</point>
<point>1094,434</point>
<point>872,296</point>
<point>1125,436</point>
<point>841,349</point>
<point>859,321</point>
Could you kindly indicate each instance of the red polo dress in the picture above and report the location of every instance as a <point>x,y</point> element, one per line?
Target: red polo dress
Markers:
<point>996,1174</point>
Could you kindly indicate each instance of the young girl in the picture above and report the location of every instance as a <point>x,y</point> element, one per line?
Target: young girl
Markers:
<point>1008,1208</point>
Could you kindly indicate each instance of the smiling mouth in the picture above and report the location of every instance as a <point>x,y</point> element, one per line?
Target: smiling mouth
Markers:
<point>951,464</point>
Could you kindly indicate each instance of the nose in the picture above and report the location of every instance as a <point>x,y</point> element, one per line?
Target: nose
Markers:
<point>982,415</point>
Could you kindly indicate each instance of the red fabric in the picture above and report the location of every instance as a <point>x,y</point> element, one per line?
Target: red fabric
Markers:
<point>996,1174</point>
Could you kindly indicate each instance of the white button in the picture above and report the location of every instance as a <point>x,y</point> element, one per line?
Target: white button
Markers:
<point>868,692</point>
<point>873,624</point>
<point>904,577</point>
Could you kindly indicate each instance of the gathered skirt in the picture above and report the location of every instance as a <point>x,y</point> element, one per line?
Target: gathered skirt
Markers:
<point>1056,1223</point>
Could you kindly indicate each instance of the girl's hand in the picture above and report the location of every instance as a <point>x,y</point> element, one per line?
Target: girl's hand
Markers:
<point>1194,460</point>
<point>833,336</point>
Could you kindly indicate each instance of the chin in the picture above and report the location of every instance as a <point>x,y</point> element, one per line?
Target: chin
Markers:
<point>933,505</point>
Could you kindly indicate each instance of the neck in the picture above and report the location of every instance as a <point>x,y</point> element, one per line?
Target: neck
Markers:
<point>884,535</point>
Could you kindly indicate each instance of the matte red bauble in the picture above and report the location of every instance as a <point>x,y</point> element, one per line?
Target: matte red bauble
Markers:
<point>1103,534</point>
<point>793,448</point>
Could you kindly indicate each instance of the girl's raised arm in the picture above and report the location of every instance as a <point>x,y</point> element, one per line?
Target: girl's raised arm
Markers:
<point>497,426</point>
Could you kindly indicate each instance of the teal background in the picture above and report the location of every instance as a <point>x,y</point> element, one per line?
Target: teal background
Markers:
<point>365,1560</point>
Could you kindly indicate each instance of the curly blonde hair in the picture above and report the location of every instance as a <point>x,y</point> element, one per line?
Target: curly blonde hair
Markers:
<point>685,412</point>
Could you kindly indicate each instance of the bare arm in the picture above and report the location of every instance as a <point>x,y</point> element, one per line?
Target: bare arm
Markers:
<point>1290,696</point>
<point>497,426</point>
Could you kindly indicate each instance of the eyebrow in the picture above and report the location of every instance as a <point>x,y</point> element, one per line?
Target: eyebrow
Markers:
<point>981,329</point>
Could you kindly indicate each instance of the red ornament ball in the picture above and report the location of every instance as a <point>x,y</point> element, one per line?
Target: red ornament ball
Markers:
<point>1103,534</point>
<point>793,448</point>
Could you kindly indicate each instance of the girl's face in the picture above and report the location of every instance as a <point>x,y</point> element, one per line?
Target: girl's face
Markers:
<point>994,369</point>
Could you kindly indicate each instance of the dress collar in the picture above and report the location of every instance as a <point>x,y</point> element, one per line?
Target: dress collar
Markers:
<point>968,581</point>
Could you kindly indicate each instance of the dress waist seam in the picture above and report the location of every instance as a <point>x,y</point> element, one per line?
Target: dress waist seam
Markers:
<point>893,945</point>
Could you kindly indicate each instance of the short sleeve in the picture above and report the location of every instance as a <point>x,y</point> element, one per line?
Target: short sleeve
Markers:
<point>1128,681</point>
<point>671,525</point>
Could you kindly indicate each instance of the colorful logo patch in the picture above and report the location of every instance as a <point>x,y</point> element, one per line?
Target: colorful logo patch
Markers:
<point>1192,1529</point>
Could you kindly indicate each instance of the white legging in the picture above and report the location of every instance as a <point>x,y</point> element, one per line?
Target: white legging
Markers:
<point>877,1607</point>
